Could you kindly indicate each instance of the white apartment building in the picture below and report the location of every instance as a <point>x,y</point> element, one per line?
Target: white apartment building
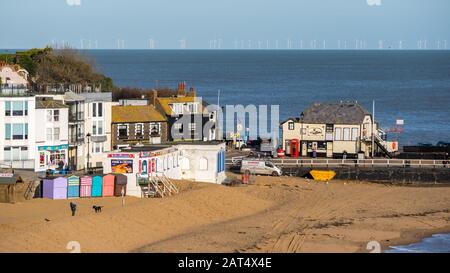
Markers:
<point>51,136</point>
<point>97,124</point>
<point>17,131</point>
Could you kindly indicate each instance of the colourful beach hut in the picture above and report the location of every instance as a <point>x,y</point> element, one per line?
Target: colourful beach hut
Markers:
<point>85,186</point>
<point>121,183</point>
<point>108,185</point>
<point>96,186</point>
<point>54,188</point>
<point>73,187</point>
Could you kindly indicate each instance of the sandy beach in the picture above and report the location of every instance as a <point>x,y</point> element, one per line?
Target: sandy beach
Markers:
<point>277,214</point>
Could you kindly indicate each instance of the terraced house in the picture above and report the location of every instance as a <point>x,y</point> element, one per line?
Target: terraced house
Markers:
<point>141,124</point>
<point>188,116</point>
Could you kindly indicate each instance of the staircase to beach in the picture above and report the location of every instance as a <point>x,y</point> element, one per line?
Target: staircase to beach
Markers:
<point>31,189</point>
<point>159,186</point>
<point>382,145</point>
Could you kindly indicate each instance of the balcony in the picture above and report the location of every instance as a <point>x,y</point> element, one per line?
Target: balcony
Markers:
<point>9,90</point>
<point>79,117</point>
<point>98,138</point>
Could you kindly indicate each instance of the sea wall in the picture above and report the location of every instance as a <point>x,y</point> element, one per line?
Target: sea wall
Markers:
<point>416,176</point>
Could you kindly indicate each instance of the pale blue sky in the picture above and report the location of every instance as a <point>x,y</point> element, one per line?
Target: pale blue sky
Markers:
<point>35,23</point>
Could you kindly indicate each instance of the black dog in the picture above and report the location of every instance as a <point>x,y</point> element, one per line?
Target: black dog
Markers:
<point>97,208</point>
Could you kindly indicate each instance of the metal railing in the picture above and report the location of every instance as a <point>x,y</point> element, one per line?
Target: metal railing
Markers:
<point>364,163</point>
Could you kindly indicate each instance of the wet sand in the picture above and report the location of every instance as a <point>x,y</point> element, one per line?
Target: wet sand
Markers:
<point>277,214</point>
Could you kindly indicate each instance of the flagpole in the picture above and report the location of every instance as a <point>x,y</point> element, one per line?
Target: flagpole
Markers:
<point>373,128</point>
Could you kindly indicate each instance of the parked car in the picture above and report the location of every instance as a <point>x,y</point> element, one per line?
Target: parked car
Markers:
<point>443,144</point>
<point>258,166</point>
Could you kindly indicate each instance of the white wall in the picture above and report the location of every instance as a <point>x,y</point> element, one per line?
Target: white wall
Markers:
<point>166,158</point>
<point>41,132</point>
<point>15,78</point>
<point>30,119</point>
<point>194,155</point>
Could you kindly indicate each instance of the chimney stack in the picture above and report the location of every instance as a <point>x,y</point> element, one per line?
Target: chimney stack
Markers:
<point>192,92</point>
<point>154,96</point>
<point>181,89</point>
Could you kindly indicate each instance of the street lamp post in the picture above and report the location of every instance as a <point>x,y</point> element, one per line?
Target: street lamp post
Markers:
<point>88,136</point>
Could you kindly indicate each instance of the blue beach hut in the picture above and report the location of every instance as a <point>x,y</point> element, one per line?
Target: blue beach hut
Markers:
<point>96,186</point>
<point>73,188</point>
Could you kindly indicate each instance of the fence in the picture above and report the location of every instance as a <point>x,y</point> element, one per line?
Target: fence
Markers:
<point>336,163</point>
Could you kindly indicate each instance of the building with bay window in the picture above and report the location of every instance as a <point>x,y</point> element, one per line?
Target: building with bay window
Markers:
<point>137,124</point>
<point>334,130</point>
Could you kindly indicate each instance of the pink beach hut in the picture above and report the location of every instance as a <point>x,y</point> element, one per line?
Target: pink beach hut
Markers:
<point>108,185</point>
<point>54,188</point>
<point>85,186</point>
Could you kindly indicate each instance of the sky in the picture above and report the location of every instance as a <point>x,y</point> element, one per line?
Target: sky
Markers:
<point>197,24</point>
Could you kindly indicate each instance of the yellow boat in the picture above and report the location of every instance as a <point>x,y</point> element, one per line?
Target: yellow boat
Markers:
<point>319,175</point>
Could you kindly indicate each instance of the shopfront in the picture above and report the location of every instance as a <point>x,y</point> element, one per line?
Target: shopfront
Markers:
<point>51,157</point>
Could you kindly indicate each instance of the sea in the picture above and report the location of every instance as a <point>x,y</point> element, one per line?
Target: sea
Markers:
<point>438,243</point>
<point>413,86</point>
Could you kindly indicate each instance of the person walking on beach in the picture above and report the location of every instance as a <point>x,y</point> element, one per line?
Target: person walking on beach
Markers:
<point>73,208</point>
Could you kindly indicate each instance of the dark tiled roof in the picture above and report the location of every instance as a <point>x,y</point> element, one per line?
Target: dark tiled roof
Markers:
<point>335,113</point>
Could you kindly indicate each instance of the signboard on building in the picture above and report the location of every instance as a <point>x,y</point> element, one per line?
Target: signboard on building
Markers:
<point>53,148</point>
<point>121,166</point>
<point>120,155</point>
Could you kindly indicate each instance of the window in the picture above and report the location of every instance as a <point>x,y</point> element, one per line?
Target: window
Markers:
<point>178,126</point>
<point>122,131</point>
<point>100,109</point>
<point>192,126</point>
<point>291,125</point>
<point>7,131</point>
<point>55,115</point>
<point>203,164</point>
<point>7,153</point>
<point>49,134</point>
<point>355,134</point>
<point>347,134</point>
<point>7,108</point>
<point>139,130</point>
<point>269,164</point>
<point>18,108</point>
<point>338,134</point>
<point>15,153</point>
<point>185,164</point>
<point>97,148</point>
<point>18,131</point>
<point>55,133</point>
<point>49,115</point>
<point>100,127</point>
<point>155,129</point>
<point>94,109</point>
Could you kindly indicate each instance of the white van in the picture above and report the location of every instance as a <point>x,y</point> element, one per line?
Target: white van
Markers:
<point>258,166</point>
